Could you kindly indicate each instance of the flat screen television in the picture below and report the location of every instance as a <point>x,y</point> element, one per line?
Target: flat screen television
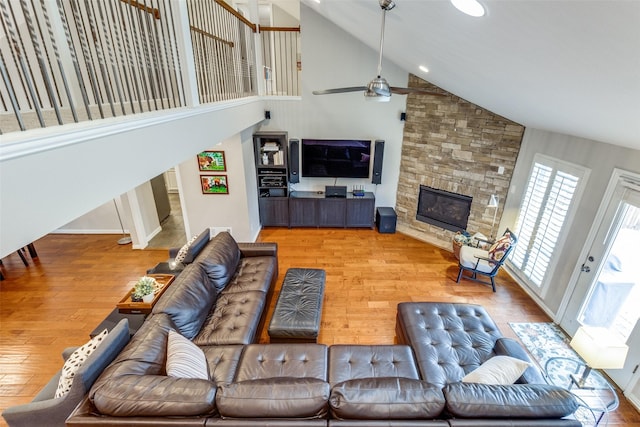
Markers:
<point>336,158</point>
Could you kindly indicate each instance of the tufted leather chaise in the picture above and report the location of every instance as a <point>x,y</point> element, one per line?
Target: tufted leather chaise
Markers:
<point>451,340</point>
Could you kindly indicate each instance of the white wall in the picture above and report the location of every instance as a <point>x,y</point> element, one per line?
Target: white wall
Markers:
<point>144,215</point>
<point>601,159</point>
<point>332,58</point>
<point>251,188</point>
<point>102,220</point>
<point>52,176</point>
<point>236,209</point>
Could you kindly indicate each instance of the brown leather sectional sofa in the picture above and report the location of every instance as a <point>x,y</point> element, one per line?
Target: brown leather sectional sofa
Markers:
<point>219,301</point>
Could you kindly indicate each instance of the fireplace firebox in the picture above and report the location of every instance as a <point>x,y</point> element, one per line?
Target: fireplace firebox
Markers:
<point>443,208</point>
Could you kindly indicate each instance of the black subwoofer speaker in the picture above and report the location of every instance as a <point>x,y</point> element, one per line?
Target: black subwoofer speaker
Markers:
<point>378,154</point>
<point>294,161</point>
<point>386,220</point>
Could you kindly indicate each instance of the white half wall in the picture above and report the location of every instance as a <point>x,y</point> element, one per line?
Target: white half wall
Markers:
<point>49,177</point>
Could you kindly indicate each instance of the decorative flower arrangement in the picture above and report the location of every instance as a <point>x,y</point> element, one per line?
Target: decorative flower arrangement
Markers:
<point>144,287</point>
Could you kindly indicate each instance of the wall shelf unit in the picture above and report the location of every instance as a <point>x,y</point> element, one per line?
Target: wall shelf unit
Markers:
<point>272,172</point>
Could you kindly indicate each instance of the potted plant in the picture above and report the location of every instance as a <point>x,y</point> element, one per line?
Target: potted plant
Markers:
<point>144,290</point>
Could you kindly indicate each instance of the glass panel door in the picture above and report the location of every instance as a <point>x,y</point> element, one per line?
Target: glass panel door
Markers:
<point>614,285</point>
<point>614,297</point>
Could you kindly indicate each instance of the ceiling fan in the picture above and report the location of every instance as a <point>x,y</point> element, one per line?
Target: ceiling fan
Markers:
<point>378,89</point>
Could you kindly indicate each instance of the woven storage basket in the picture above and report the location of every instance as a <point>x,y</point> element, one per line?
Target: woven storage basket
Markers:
<point>456,246</point>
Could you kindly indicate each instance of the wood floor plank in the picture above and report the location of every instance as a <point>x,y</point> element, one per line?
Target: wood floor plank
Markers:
<point>78,279</point>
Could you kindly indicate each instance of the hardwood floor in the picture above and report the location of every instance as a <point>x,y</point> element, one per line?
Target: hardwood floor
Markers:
<point>77,280</point>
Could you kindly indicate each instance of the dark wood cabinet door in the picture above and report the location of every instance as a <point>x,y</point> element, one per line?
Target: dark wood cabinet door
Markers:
<point>332,212</point>
<point>302,213</point>
<point>360,212</point>
<point>274,211</point>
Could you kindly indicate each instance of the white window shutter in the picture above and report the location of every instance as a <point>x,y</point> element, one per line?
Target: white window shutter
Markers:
<point>541,219</point>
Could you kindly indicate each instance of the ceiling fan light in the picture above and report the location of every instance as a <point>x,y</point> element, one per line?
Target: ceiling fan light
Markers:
<point>387,4</point>
<point>379,86</point>
<point>470,7</point>
<point>374,97</point>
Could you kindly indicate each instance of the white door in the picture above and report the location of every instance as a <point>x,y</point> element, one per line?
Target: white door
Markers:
<point>607,292</point>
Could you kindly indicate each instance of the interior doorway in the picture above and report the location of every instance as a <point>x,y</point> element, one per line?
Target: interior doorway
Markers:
<point>607,289</point>
<point>172,223</point>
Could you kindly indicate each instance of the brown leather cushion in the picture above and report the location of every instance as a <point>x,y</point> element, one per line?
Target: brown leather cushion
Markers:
<point>274,398</point>
<point>349,362</point>
<point>264,361</point>
<point>233,320</point>
<point>470,400</point>
<point>220,259</point>
<point>386,398</point>
<point>188,300</point>
<point>253,274</point>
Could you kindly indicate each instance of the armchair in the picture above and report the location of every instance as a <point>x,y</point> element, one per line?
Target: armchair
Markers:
<point>45,409</point>
<point>486,262</point>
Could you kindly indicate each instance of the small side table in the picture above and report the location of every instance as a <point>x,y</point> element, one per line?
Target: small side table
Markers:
<point>126,305</point>
<point>597,394</point>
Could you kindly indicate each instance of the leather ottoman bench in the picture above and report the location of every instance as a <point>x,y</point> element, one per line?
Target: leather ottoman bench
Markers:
<point>296,317</point>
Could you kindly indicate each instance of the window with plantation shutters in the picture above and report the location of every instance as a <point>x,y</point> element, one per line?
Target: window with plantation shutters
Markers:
<point>544,212</point>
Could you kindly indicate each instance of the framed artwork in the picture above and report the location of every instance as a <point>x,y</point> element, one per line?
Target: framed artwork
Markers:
<point>214,184</point>
<point>212,161</point>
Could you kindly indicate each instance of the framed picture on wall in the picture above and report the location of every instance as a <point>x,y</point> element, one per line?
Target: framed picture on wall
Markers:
<point>214,184</point>
<point>212,161</point>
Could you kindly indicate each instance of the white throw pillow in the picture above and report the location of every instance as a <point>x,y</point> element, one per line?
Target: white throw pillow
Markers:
<point>184,250</point>
<point>185,359</point>
<point>75,361</point>
<point>499,370</point>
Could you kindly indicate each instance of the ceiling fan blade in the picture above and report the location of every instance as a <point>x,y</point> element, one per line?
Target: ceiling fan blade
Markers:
<point>340,90</point>
<point>418,91</point>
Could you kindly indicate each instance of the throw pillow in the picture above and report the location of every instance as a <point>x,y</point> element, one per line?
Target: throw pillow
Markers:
<point>499,370</point>
<point>75,361</point>
<point>185,359</point>
<point>499,248</point>
<point>182,253</point>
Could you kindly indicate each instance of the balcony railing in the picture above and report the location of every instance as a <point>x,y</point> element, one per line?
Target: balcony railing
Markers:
<point>67,61</point>
<point>282,62</point>
<point>223,51</point>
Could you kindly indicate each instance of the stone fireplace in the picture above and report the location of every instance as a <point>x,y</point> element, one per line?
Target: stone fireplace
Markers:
<point>454,146</point>
<point>443,209</point>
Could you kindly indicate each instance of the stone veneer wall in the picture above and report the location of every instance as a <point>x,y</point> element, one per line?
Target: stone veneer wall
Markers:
<point>454,145</point>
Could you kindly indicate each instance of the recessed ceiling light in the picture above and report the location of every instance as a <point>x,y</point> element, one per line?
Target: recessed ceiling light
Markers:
<point>470,7</point>
<point>423,69</point>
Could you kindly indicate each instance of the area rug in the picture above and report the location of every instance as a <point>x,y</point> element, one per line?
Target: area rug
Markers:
<point>545,341</point>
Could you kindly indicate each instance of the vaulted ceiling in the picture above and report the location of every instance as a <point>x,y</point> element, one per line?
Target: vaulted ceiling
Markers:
<point>571,67</point>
